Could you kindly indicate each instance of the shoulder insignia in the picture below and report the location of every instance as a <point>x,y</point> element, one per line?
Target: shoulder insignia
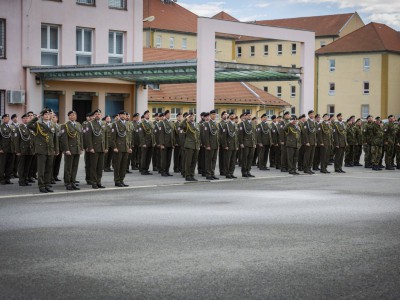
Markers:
<point>241,128</point>
<point>112,130</point>
<point>140,129</point>
<point>205,128</point>
<point>15,134</point>
<point>223,130</point>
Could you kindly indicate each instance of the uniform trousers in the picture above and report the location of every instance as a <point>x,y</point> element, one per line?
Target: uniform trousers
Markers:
<point>44,169</point>
<point>308,157</point>
<point>210,161</point>
<point>166,156</point>
<point>96,161</point>
<point>191,157</point>
<point>325,153</point>
<point>229,161</point>
<point>24,165</point>
<point>292,158</point>
<point>146,155</point>
<point>339,155</point>
<point>247,159</point>
<point>120,163</point>
<point>71,164</point>
<point>6,166</point>
<point>263,153</point>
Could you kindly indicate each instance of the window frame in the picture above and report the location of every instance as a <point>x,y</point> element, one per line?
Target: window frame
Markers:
<point>85,53</point>
<point>366,91</point>
<point>115,55</point>
<point>171,42</point>
<point>332,68</point>
<point>84,2</point>
<point>3,102</point>
<point>252,51</point>
<point>294,50</point>
<point>174,112</point>
<point>270,113</point>
<point>156,109</point>
<point>4,40</point>
<point>266,50</point>
<point>265,88</point>
<point>229,110</point>
<point>292,91</point>
<point>124,4</point>
<point>364,116</point>
<point>332,92</point>
<point>184,43</point>
<point>279,93</point>
<point>239,52</point>
<point>293,110</point>
<point>247,111</point>
<point>279,52</point>
<point>366,67</point>
<point>329,106</point>
<point>48,49</point>
<point>158,42</point>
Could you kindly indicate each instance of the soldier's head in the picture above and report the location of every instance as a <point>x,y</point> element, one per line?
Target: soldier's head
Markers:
<point>122,115</point>
<point>213,114</point>
<point>179,117</point>
<point>167,114</point>
<point>14,118</point>
<point>391,118</point>
<point>5,118</point>
<point>293,120</point>
<point>325,117</point>
<point>349,121</point>
<point>232,116</point>
<point>254,120</point>
<point>317,117</point>
<point>107,119</point>
<point>264,118</point>
<point>311,114</point>
<point>378,120</point>
<point>370,119</point>
<point>339,117</point>
<point>45,114</point>
<point>249,116</point>
<point>146,115</point>
<point>25,118</point>
<point>156,117</point>
<point>202,116</point>
<point>97,114</point>
<point>224,115</point>
<point>30,115</point>
<point>135,117</point>
<point>54,118</point>
<point>359,122</point>
<point>273,118</point>
<point>190,117</point>
<point>161,117</point>
<point>127,116</point>
<point>206,116</point>
<point>286,115</point>
<point>243,116</point>
<point>72,115</point>
<point>302,118</point>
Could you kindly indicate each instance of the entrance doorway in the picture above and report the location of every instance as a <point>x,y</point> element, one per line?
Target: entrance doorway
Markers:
<point>82,104</point>
<point>114,103</point>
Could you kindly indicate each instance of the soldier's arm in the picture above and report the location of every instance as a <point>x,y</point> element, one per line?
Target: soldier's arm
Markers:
<point>31,124</point>
<point>206,134</point>
<point>17,139</point>
<point>88,136</point>
<point>161,134</point>
<point>304,134</point>
<point>113,139</point>
<point>64,138</point>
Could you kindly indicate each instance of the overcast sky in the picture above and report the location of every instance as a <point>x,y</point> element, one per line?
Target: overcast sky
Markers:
<point>382,11</point>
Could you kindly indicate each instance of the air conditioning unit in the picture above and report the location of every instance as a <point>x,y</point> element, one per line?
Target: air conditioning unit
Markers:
<point>16,97</point>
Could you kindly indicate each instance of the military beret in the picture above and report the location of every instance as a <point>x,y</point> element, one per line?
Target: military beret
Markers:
<point>358,120</point>
<point>89,114</point>
<point>97,111</point>
<point>317,115</point>
<point>236,118</point>
<point>398,120</point>
<point>206,114</point>
<point>231,113</point>
<point>254,118</point>
<point>166,112</point>
<point>339,115</point>
<point>310,111</point>
<point>325,115</point>
<point>190,114</point>
<point>122,112</point>
<point>127,113</point>
<point>352,117</point>
<point>245,114</point>
<point>71,112</point>
<point>286,113</point>
<point>161,115</point>
<point>390,116</point>
<point>348,120</point>
<point>273,117</point>
<point>241,115</point>
<point>212,112</point>
<point>146,112</point>
<point>279,117</point>
<point>185,114</point>
<point>24,116</point>
<point>142,116</point>
<point>92,113</point>
<point>331,117</point>
<point>302,116</point>
<point>223,113</point>
<point>202,114</point>
<point>13,116</point>
<point>369,116</point>
<point>293,118</point>
<point>45,111</point>
<point>263,115</point>
<point>136,115</point>
<point>5,116</point>
<point>178,114</point>
<point>29,112</point>
<point>103,119</point>
<point>156,115</point>
<point>377,118</point>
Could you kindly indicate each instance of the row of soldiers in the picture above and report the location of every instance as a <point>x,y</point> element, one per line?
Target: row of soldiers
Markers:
<point>305,144</point>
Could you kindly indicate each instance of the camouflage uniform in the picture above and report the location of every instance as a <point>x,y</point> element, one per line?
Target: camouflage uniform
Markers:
<point>358,147</point>
<point>376,139</point>
<point>351,144</point>
<point>367,145</point>
<point>389,138</point>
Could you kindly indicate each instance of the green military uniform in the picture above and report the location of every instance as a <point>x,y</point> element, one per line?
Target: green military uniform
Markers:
<point>358,147</point>
<point>230,144</point>
<point>46,146</point>
<point>182,138</point>
<point>201,167</point>
<point>15,158</point>
<point>247,141</point>
<point>211,141</point>
<point>71,141</point>
<point>24,150</point>
<point>130,129</point>
<point>300,161</point>
<point>309,138</point>
<point>109,155</point>
<point>135,162</point>
<point>340,143</point>
<point>86,158</point>
<point>166,138</point>
<point>275,157</point>
<point>351,144</point>
<point>147,142</point>
<point>192,147</point>
<point>221,152</point>
<point>97,145</point>
<point>398,146</point>
<point>282,137</point>
<point>376,139</point>
<point>324,140</point>
<point>156,157</point>
<point>389,139</point>
<point>177,149</point>
<point>6,153</point>
<point>293,144</point>
<point>367,145</point>
<point>264,141</point>
<point>121,140</point>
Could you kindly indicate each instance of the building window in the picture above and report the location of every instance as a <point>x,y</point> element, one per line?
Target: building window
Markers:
<point>115,47</point>
<point>364,111</point>
<point>322,43</point>
<point>171,42</point>
<point>294,66</point>
<point>231,110</point>
<point>2,102</point>
<point>332,65</point>
<point>293,110</point>
<point>157,110</point>
<point>84,46</point>
<point>239,51</point>
<point>49,45</point>
<point>280,49</point>
<point>158,41</point>
<point>154,86</point>
<point>2,38</point>
<point>293,91</point>
<point>193,110</point>
<point>366,64</point>
<point>246,111</point>
<point>266,48</point>
<point>184,44</point>
<point>270,113</point>
<point>252,50</point>
<point>366,88</point>
<point>331,110</point>
<point>294,48</point>
<point>332,88</point>
<point>118,4</point>
<point>265,89</point>
<point>279,91</point>
<point>86,2</point>
<point>175,111</point>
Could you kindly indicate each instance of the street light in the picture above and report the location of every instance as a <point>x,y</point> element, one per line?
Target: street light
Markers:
<point>149,19</point>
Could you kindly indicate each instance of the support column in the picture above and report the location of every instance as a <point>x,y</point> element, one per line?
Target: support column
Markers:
<point>34,93</point>
<point>137,31</point>
<point>142,99</point>
<point>307,76</point>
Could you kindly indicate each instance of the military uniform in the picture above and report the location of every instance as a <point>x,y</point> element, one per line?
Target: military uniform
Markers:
<point>275,156</point>
<point>97,145</point>
<point>293,144</point>
<point>147,142</point>
<point>324,140</point>
<point>166,139</point>
<point>376,139</point>
<point>264,141</point>
<point>210,139</point>
<point>230,144</point>
<point>121,141</point>
<point>247,141</point>
<point>109,155</point>
<point>282,137</point>
<point>15,158</point>
<point>24,150</point>
<point>57,158</point>
<point>177,149</point>
<point>221,152</point>
<point>6,153</point>
<point>46,146</point>
<point>351,144</point>
<point>300,161</point>
<point>340,143</point>
<point>367,145</point>
<point>201,167</point>
<point>86,158</point>
<point>156,157</point>
<point>389,139</point>
<point>135,162</point>
<point>71,140</point>
<point>358,147</point>
<point>309,135</point>
<point>398,146</point>
<point>192,147</point>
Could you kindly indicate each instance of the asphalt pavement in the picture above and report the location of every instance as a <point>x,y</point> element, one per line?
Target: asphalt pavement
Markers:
<point>276,236</point>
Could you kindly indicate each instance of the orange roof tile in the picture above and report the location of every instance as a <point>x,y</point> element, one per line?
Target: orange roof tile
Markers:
<point>329,25</point>
<point>224,16</point>
<point>374,37</point>
<point>169,16</point>
<point>160,54</point>
<point>225,93</point>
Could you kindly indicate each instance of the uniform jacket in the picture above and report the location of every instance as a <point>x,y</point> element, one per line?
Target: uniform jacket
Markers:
<point>351,135</point>
<point>247,134</point>
<point>376,134</point>
<point>146,134</point>
<point>339,134</point>
<point>389,133</point>
<point>324,134</point>
<point>135,133</point>
<point>292,133</point>
<point>211,134</point>
<point>166,134</point>
<point>221,127</point>
<point>309,132</point>
<point>121,133</point>
<point>24,140</point>
<point>45,137</point>
<point>230,136</point>
<point>192,134</point>
<point>6,138</point>
<point>71,137</point>
<point>275,133</point>
<point>264,134</point>
<point>358,135</point>
<point>96,136</point>
<point>281,127</point>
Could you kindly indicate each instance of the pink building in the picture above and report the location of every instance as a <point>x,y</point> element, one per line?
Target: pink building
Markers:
<point>67,32</point>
